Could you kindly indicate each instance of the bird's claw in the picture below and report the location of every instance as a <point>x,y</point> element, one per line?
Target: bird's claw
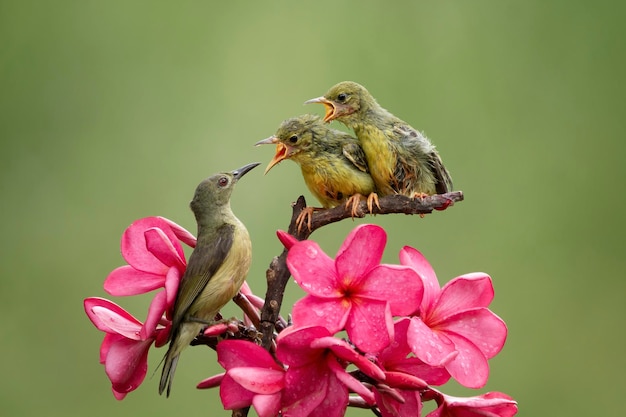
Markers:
<point>353,202</point>
<point>305,217</point>
<point>371,200</point>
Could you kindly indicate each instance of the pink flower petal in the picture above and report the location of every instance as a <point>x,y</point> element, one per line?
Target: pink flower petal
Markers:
<point>413,258</point>
<point>469,367</point>
<point>369,325</point>
<point>305,389</point>
<point>389,407</point>
<point>172,282</point>
<point>267,405</point>
<point>111,318</point>
<point>241,353</point>
<point>344,351</point>
<point>492,404</point>
<point>127,363</point>
<point>259,380</point>
<point>162,248</point>
<point>431,374</point>
<point>107,342</point>
<point>216,329</point>
<point>180,232</point>
<point>398,285</point>
<point>431,347</point>
<point>313,270</point>
<point>134,248</point>
<point>314,311</point>
<point>398,350</point>
<point>211,382</point>
<point>480,326</point>
<point>462,293</point>
<point>349,381</point>
<point>286,239</point>
<point>294,345</point>
<point>155,313</point>
<point>233,395</point>
<point>404,380</point>
<point>360,252</point>
<point>127,280</point>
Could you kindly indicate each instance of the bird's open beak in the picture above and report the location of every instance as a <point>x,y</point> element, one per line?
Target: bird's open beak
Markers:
<point>282,151</point>
<point>240,172</point>
<point>331,111</point>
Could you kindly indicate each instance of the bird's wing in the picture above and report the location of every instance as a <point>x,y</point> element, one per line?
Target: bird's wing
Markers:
<point>444,182</point>
<point>205,260</point>
<point>355,154</point>
<point>435,164</point>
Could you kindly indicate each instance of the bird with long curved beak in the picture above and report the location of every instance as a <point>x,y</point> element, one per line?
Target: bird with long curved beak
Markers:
<point>332,162</point>
<point>216,269</point>
<point>401,159</point>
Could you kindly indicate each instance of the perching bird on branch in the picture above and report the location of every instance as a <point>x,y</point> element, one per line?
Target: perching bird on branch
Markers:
<point>401,160</point>
<point>332,162</point>
<point>216,269</point>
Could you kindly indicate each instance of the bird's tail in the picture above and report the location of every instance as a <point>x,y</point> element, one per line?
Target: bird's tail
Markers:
<point>169,368</point>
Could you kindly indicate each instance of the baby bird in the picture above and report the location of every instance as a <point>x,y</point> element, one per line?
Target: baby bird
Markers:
<point>401,160</point>
<point>332,162</point>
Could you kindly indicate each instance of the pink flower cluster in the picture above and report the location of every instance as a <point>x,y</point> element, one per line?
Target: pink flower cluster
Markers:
<point>405,334</point>
<point>152,247</point>
<point>437,333</point>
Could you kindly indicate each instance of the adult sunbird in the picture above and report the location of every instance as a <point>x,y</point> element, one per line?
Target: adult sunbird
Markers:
<point>401,159</point>
<point>332,162</point>
<point>216,269</point>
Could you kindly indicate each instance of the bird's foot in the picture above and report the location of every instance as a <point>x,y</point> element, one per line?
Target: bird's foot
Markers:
<point>371,200</point>
<point>421,196</point>
<point>305,217</point>
<point>353,202</point>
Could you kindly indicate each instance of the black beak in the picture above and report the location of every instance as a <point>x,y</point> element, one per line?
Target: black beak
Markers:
<point>240,172</point>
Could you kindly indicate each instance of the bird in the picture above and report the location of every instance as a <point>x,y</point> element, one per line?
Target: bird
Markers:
<point>332,162</point>
<point>401,159</point>
<point>216,269</point>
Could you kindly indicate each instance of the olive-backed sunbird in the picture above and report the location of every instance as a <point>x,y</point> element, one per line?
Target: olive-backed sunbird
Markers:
<point>332,162</point>
<point>216,269</point>
<point>401,159</point>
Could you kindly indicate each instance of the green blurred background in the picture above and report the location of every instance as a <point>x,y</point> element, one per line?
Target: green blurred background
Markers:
<point>112,111</point>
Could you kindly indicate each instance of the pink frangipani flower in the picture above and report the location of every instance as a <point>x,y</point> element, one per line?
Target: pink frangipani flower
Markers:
<point>455,328</point>
<point>491,404</point>
<point>124,350</point>
<point>155,257</point>
<point>252,378</point>
<point>405,375</point>
<point>354,291</point>
<point>316,382</point>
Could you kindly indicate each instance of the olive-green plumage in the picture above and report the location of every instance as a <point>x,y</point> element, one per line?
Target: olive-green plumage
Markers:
<point>401,159</point>
<point>216,269</point>
<point>332,162</point>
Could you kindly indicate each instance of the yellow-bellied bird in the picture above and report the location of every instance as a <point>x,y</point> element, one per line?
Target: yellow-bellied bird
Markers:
<point>216,269</point>
<point>401,159</point>
<point>332,162</point>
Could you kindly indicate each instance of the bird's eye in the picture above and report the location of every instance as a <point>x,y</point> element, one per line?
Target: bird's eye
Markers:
<point>222,182</point>
<point>293,139</point>
<point>342,97</point>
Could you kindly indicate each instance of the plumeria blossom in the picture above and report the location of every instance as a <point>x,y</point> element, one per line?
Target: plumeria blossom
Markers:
<point>252,378</point>
<point>124,350</point>
<point>455,328</point>
<point>405,375</point>
<point>491,404</point>
<point>316,382</point>
<point>152,247</point>
<point>353,291</point>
